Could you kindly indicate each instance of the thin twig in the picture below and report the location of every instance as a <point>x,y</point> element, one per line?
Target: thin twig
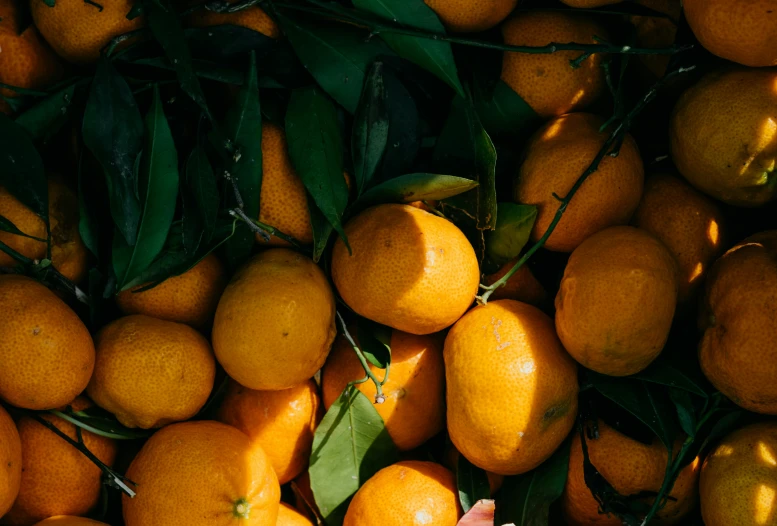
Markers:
<point>238,213</point>
<point>24,91</point>
<point>379,396</point>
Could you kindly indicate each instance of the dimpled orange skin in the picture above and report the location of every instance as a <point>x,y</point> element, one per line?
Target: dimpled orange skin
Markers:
<point>25,220</point>
<point>608,197</point>
<point>410,270</point>
<point>190,298</point>
<point>9,16</point>
<point>616,301</point>
<point>202,473</point>
<point>738,351</point>
<point>508,430</point>
<point>77,30</point>
<point>466,16</point>
<point>151,372</point>
<point>547,82</point>
<point>410,493</point>
<point>64,520</point>
<point>723,136</point>
<point>738,478</point>
<point>657,32</point>
<point>288,516</point>
<point>57,479</point>
<point>26,61</point>
<point>414,409</point>
<point>631,467</point>
<point>10,461</point>
<point>522,286</point>
<point>275,322</point>
<point>47,352</point>
<point>253,18</point>
<point>282,422</point>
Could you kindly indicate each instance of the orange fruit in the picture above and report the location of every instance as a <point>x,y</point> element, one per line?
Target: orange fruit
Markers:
<point>738,478</point>
<point>451,461</point>
<point>25,220</point>
<point>741,31</point>
<point>723,136</point>
<point>548,82</point>
<point>281,422</point>
<point>57,479</point>
<point>304,502</point>
<point>151,372</point>
<point>522,286</point>
<point>190,298</point>
<point>275,322</point>
<point>737,352</point>
<point>202,474</point>
<point>11,460</point>
<point>406,493</point>
<point>65,520</point>
<point>409,269</point>
<point>36,323</point>
<point>608,197</point>
<point>589,3</point>
<point>631,467</point>
<point>414,406</point>
<point>657,32</point>
<point>9,16</point>
<point>511,389</point>
<point>687,222</point>
<point>253,18</point>
<point>288,516</point>
<point>466,16</point>
<point>78,30</point>
<point>616,301</point>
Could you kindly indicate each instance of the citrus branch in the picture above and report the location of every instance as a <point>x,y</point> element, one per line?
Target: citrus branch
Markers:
<point>379,396</point>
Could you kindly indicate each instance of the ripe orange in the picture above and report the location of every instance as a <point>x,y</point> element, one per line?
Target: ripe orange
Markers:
<point>590,3</point>
<point>406,493</point>
<point>65,520</point>
<point>202,474</point>
<point>57,479</point>
<point>10,460</point>
<point>548,82</point>
<point>151,372</point>
<point>288,516</point>
<point>281,422</point>
<point>511,389</point>
<point>414,408</point>
<point>522,286</point>
<point>657,32</point>
<point>253,18</point>
<point>275,322</point>
<point>411,270</point>
<point>190,298</point>
<point>46,353</point>
<point>9,16</point>
<point>25,220</point>
<point>465,16</point>
<point>608,197</point>
<point>617,300</point>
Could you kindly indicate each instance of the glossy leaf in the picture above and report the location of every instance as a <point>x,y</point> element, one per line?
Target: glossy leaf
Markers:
<point>322,229</point>
<point>503,111</point>
<point>45,118</point>
<point>226,41</point>
<point>404,137</point>
<point>370,129</point>
<point>200,198</point>
<point>662,372</point>
<point>472,483</point>
<point>415,187</point>
<point>374,341</point>
<point>514,224</point>
<point>102,423</point>
<point>21,168</point>
<point>686,414</point>
<point>7,226</point>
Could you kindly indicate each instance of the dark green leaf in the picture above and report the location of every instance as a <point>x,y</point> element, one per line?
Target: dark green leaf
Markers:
<point>44,119</point>
<point>513,226</point>
<point>375,342</point>
<point>472,483</point>
<point>664,373</point>
<point>203,69</point>
<point>225,41</point>
<point>7,226</point>
<point>370,129</point>
<point>686,414</point>
<point>102,423</point>
<point>503,111</point>
<point>91,206</point>
<point>404,139</point>
<point>21,168</point>
<point>322,229</point>
<point>200,198</point>
<point>415,187</point>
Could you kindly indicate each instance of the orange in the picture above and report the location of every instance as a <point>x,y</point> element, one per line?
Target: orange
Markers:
<point>275,322</point>
<point>743,31</point>
<point>25,220</point>
<point>202,474</point>
<point>723,135</point>
<point>657,32</point>
<point>631,467</point>
<point>409,269</point>
<point>26,61</point>
<point>556,157</point>
<point>281,422</point>
<point>64,520</point>
<point>451,461</point>
<point>548,82</point>
<point>737,352</point>
<point>57,479</point>
<point>79,30</point>
<point>511,389</point>
<point>253,18</point>
<point>414,406</point>
<point>522,286</point>
<point>616,301</point>
<point>46,353</point>
<point>10,460</point>
<point>151,372</point>
<point>9,16</point>
<point>190,298</point>
<point>590,3</point>
<point>409,493</point>
<point>466,16</point>
<point>304,502</point>
<point>288,516</point>
<point>739,478</point>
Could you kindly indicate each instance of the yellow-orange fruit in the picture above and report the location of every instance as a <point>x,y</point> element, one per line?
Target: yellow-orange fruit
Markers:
<point>253,18</point>
<point>451,461</point>
<point>406,493</point>
<point>616,301</point>
<point>9,16</point>
<point>556,157</point>
<point>25,220</point>
<point>738,352</point>
<point>522,286</point>
<point>466,16</point>
<point>511,389</point>
<point>723,135</point>
<point>589,3</point>
<point>202,474</point>
<point>151,372</point>
<point>26,61</point>
<point>281,422</point>
<point>69,520</point>
<point>631,467</point>
<point>46,352</point>
<point>57,479</point>
<point>288,516</point>
<point>190,298</point>
<point>409,269</point>
<point>738,478</point>
<point>10,460</point>
<point>414,406</point>
<point>548,82</point>
<point>275,322</point>
<point>304,501</point>
<point>657,32</point>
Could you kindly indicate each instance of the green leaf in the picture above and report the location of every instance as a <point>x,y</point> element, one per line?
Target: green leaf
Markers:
<point>503,111</point>
<point>200,198</point>
<point>472,483</point>
<point>322,229</point>
<point>404,139</point>
<point>686,414</point>
<point>375,342</point>
<point>415,187</point>
<point>21,168</point>
<point>203,68</point>
<point>113,132</point>
<point>43,120</point>
<point>370,129</point>
<point>433,55</point>
<point>350,445</point>
<point>514,224</point>
<point>158,181</point>
<point>225,41</point>
<point>102,423</point>
<point>7,226</point>
<point>664,373</point>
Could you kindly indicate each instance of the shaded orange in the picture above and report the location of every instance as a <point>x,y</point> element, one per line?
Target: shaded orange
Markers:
<point>10,462</point>
<point>657,32</point>
<point>288,516</point>
<point>253,18</point>
<point>522,286</point>
<point>466,16</point>
<point>65,520</point>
